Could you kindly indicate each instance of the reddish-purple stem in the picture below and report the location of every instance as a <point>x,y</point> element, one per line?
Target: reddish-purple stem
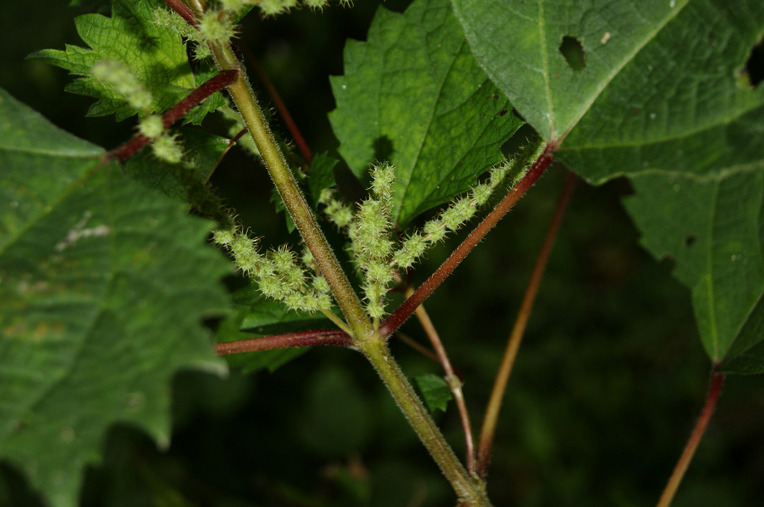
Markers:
<point>712,396</point>
<point>399,316</point>
<point>183,10</point>
<point>193,99</point>
<point>282,341</point>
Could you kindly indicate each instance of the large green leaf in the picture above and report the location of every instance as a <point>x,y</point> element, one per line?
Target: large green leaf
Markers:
<point>414,95</point>
<point>662,98</point>
<point>155,54</point>
<point>655,70</point>
<point>714,230</point>
<point>102,287</point>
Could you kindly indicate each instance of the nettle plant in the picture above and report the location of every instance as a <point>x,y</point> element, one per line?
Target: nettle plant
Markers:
<point>104,259</point>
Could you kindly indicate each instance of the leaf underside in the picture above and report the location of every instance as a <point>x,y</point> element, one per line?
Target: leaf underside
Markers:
<point>413,95</point>
<point>663,99</point>
<point>103,288</point>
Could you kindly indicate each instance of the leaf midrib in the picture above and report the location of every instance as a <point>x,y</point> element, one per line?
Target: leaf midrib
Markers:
<point>616,70</point>
<point>430,120</point>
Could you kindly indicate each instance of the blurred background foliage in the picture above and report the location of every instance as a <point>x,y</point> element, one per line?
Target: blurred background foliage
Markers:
<point>607,386</point>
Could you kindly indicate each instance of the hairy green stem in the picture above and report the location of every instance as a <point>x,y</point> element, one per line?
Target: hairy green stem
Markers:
<point>469,489</point>
<point>285,183</point>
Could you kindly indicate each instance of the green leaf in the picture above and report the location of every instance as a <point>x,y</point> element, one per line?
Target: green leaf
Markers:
<point>103,286</point>
<point>202,150</point>
<point>155,54</point>
<point>714,230</point>
<point>666,102</point>
<point>254,317</point>
<point>414,95</point>
<point>654,70</point>
<point>435,391</point>
<point>321,175</point>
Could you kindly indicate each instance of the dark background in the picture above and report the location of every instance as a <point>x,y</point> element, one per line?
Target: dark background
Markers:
<point>607,386</point>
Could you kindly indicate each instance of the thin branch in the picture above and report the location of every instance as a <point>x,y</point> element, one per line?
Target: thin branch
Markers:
<point>416,345</point>
<point>280,106</point>
<point>454,382</point>
<point>399,316</point>
<point>183,10</point>
<point>712,396</point>
<point>488,430</point>
<point>282,341</point>
<point>176,112</point>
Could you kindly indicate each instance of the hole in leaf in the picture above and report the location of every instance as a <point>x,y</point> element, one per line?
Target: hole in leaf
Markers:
<point>573,51</point>
<point>689,240</point>
<point>753,72</point>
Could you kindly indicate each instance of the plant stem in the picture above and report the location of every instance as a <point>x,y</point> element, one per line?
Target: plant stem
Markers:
<point>176,112</point>
<point>488,430</point>
<point>285,183</point>
<point>712,396</point>
<point>280,106</point>
<point>282,341</point>
<point>403,312</point>
<point>454,382</point>
<point>183,10</point>
<point>470,490</point>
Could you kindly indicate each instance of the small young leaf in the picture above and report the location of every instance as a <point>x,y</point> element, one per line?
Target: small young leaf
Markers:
<point>155,54</point>
<point>321,175</point>
<point>435,391</point>
<point>103,288</point>
<point>414,95</point>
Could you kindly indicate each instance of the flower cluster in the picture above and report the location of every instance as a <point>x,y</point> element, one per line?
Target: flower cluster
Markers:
<point>375,251</point>
<point>278,273</point>
<point>124,83</point>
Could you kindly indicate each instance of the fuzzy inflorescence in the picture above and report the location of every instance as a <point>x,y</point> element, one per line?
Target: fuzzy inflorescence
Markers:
<point>279,274</point>
<point>376,252</point>
<point>124,83</point>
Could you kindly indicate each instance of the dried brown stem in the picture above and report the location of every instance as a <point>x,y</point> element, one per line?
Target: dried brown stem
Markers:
<point>488,429</point>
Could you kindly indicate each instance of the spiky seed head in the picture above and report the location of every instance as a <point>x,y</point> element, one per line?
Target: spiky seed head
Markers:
<point>151,126</point>
<point>214,26</point>
<point>167,148</point>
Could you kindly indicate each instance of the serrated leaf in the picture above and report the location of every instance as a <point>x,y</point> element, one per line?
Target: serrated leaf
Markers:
<point>714,231</point>
<point>102,288</point>
<point>654,70</point>
<point>256,316</point>
<point>435,391</point>
<point>414,95</point>
<point>155,54</point>
<point>664,101</point>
